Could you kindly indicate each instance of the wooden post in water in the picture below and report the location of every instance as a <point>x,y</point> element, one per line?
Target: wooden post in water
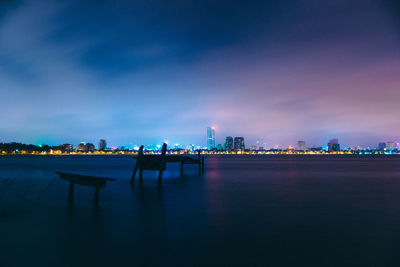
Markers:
<point>140,174</point>
<point>181,167</point>
<point>96,196</point>
<point>199,159</point>
<point>139,164</point>
<point>134,172</point>
<point>71,192</point>
<point>160,176</point>
<point>162,163</point>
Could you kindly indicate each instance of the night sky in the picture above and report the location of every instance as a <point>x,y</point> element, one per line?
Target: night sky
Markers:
<point>274,71</point>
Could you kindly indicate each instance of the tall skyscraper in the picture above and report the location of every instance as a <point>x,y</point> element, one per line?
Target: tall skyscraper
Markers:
<point>301,145</point>
<point>102,144</point>
<point>239,143</point>
<point>210,138</point>
<point>229,143</point>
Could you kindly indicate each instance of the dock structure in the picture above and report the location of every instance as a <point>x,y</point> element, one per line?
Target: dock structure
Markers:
<point>158,162</point>
<point>96,182</point>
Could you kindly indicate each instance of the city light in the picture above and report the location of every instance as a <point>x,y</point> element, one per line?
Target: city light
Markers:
<point>231,145</point>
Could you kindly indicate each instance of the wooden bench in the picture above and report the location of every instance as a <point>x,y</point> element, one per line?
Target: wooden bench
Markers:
<point>158,162</point>
<point>97,182</point>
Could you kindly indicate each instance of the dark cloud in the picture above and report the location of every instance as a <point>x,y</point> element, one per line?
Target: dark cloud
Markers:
<point>274,71</point>
<point>393,8</point>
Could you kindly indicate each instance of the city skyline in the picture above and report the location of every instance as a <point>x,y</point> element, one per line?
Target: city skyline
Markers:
<point>231,146</point>
<point>219,140</point>
<point>230,143</point>
<point>133,72</point>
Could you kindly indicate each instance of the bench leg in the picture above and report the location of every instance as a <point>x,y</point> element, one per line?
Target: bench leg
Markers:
<point>160,176</point>
<point>181,167</point>
<point>96,196</point>
<point>140,174</point>
<point>71,192</point>
<point>202,164</point>
<point>134,173</point>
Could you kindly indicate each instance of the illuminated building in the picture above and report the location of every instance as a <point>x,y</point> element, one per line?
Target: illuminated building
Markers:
<point>190,147</point>
<point>102,144</point>
<point>238,143</point>
<point>81,147</point>
<point>210,138</point>
<point>390,145</point>
<point>382,146</point>
<point>229,143</point>
<point>66,147</point>
<point>333,145</point>
<point>85,147</point>
<point>301,145</point>
<point>220,147</point>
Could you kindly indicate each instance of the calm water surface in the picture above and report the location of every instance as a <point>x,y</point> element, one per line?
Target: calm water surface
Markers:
<point>244,211</point>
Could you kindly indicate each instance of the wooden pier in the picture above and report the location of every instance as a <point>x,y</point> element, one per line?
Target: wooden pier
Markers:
<point>158,162</point>
<point>96,182</point>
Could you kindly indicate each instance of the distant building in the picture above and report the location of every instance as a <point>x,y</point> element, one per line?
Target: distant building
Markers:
<point>238,143</point>
<point>81,147</point>
<point>190,147</point>
<point>229,143</point>
<point>390,145</point>
<point>90,147</point>
<point>102,144</point>
<point>333,145</point>
<point>66,147</point>
<point>301,145</point>
<point>316,149</point>
<point>382,146</point>
<point>253,148</point>
<point>220,147</point>
<point>85,147</point>
<point>210,138</point>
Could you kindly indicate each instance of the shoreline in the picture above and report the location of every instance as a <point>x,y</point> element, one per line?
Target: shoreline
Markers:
<point>205,154</point>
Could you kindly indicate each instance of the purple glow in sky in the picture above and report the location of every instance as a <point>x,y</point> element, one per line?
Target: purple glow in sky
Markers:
<point>272,71</point>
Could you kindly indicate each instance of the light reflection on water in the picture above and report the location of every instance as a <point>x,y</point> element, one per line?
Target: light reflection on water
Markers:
<point>241,211</point>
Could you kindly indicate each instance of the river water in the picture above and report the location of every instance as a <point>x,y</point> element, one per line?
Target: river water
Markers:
<point>284,210</point>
